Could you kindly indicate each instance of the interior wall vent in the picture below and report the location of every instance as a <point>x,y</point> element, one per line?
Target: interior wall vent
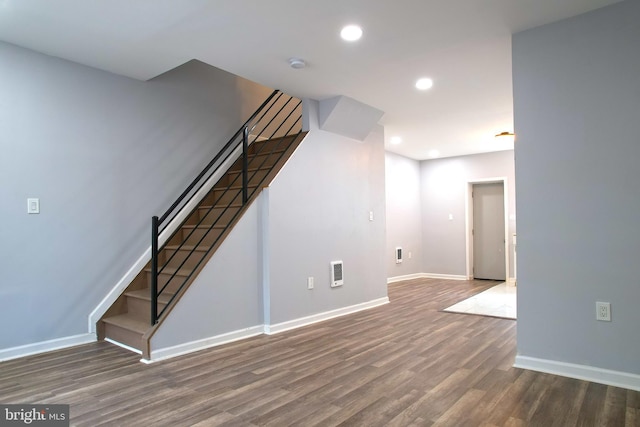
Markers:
<point>337,277</point>
<point>398,255</point>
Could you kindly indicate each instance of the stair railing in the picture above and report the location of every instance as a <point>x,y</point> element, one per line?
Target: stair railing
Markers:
<point>279,118</point>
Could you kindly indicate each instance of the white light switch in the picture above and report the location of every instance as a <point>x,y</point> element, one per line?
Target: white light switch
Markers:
<point>370,215</point>
<point>33,206</point>
<point>450,217</point>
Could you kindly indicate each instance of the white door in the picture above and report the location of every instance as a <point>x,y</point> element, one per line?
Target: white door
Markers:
<point>488,231</point>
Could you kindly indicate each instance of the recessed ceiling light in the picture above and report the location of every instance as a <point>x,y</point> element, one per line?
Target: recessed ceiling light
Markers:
<point>424,83</point>
<point>351,33</point>
<point>433,154</point>
<point>395,140</point>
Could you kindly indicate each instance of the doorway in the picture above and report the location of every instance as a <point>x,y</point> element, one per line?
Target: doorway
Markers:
<point>487,253</point>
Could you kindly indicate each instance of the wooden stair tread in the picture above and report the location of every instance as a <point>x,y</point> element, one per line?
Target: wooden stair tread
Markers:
<point>231,206</point>
<point>217,226</point>
<point>184,272</point>
<point>187,248</point>
<point>145,294</point>
<point>235,187</point>
<point>270,151</point>
<point>128,322</point>
<point>254,156</point>
<point>251,169</point>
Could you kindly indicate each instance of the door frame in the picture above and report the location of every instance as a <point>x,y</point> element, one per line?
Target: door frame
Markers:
<point>468,209</point>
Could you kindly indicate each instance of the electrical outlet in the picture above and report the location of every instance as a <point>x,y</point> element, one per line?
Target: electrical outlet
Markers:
<point>309,282</point>
<point>603,311</point>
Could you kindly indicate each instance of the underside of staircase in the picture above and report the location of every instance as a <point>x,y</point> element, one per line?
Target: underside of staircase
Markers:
<point>129,321</point>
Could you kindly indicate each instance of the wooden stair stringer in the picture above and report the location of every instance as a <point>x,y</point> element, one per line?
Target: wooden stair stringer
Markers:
<point>115,316</point>
<point>146,338</point>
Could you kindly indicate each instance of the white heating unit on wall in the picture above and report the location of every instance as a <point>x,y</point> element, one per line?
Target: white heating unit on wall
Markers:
<point>337,277</point>
<point>398,255</point>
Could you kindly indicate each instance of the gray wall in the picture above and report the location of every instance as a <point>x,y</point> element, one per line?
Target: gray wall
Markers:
<point>577,117</point>
<point>226,295</point>
<point>103,153</point>
<point>404,214</point>
<point>314,212</point>
<point>319,212</point>
<point>444,190</point>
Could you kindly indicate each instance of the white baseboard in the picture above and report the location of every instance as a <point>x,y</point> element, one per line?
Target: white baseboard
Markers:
<point>580,372</point>
<point>445,276</point>
<point>308,320</point>
<point>427,276</point>
<point>181,349</point>
<point>405,277</point>
<point>44,346</point>
<point>511,280</point>
<point>126,347</point>
<point>190,347</point>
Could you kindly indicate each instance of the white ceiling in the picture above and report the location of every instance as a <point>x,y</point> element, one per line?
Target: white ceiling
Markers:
<point>463,45</point>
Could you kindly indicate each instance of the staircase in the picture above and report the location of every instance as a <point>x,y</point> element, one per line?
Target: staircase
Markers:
<point>275,134</point>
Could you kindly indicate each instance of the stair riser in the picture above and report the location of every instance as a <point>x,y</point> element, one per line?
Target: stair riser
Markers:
<point>265,146</point>
<point>193,218</point>
<point>264,161</point>
<point>194,239</point>
<point>279,143</point>
<point>217,215</point>
<point>124,336</point>
<point>141,308</point>
<point>256,177</point>
<point>163,279</point>
<point>258,161</point>
<point>190,261</point>
<point>222,198</point>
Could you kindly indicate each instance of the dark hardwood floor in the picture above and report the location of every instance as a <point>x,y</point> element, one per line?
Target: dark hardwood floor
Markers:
<point>403,364</point>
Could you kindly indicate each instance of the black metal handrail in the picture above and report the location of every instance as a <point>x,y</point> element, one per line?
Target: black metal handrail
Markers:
<point>273,120</point>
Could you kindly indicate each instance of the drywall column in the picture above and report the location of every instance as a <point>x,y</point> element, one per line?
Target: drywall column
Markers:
<point>319,208</point>
<point>577,98</point>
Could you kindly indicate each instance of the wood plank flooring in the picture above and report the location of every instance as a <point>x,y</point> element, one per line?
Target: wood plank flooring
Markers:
<point>403,364</point>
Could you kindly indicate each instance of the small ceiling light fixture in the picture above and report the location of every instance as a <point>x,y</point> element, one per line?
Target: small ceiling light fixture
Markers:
<point>351,33</point>
<point>424,83</point>
<point>297,63</point>
<point>506,137</point>
<point>395,140</point>
<point>433,154</point>
<point>505,134</point>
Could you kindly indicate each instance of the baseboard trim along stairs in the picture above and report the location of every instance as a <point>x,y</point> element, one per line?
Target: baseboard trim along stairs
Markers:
<point>202,344</point>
